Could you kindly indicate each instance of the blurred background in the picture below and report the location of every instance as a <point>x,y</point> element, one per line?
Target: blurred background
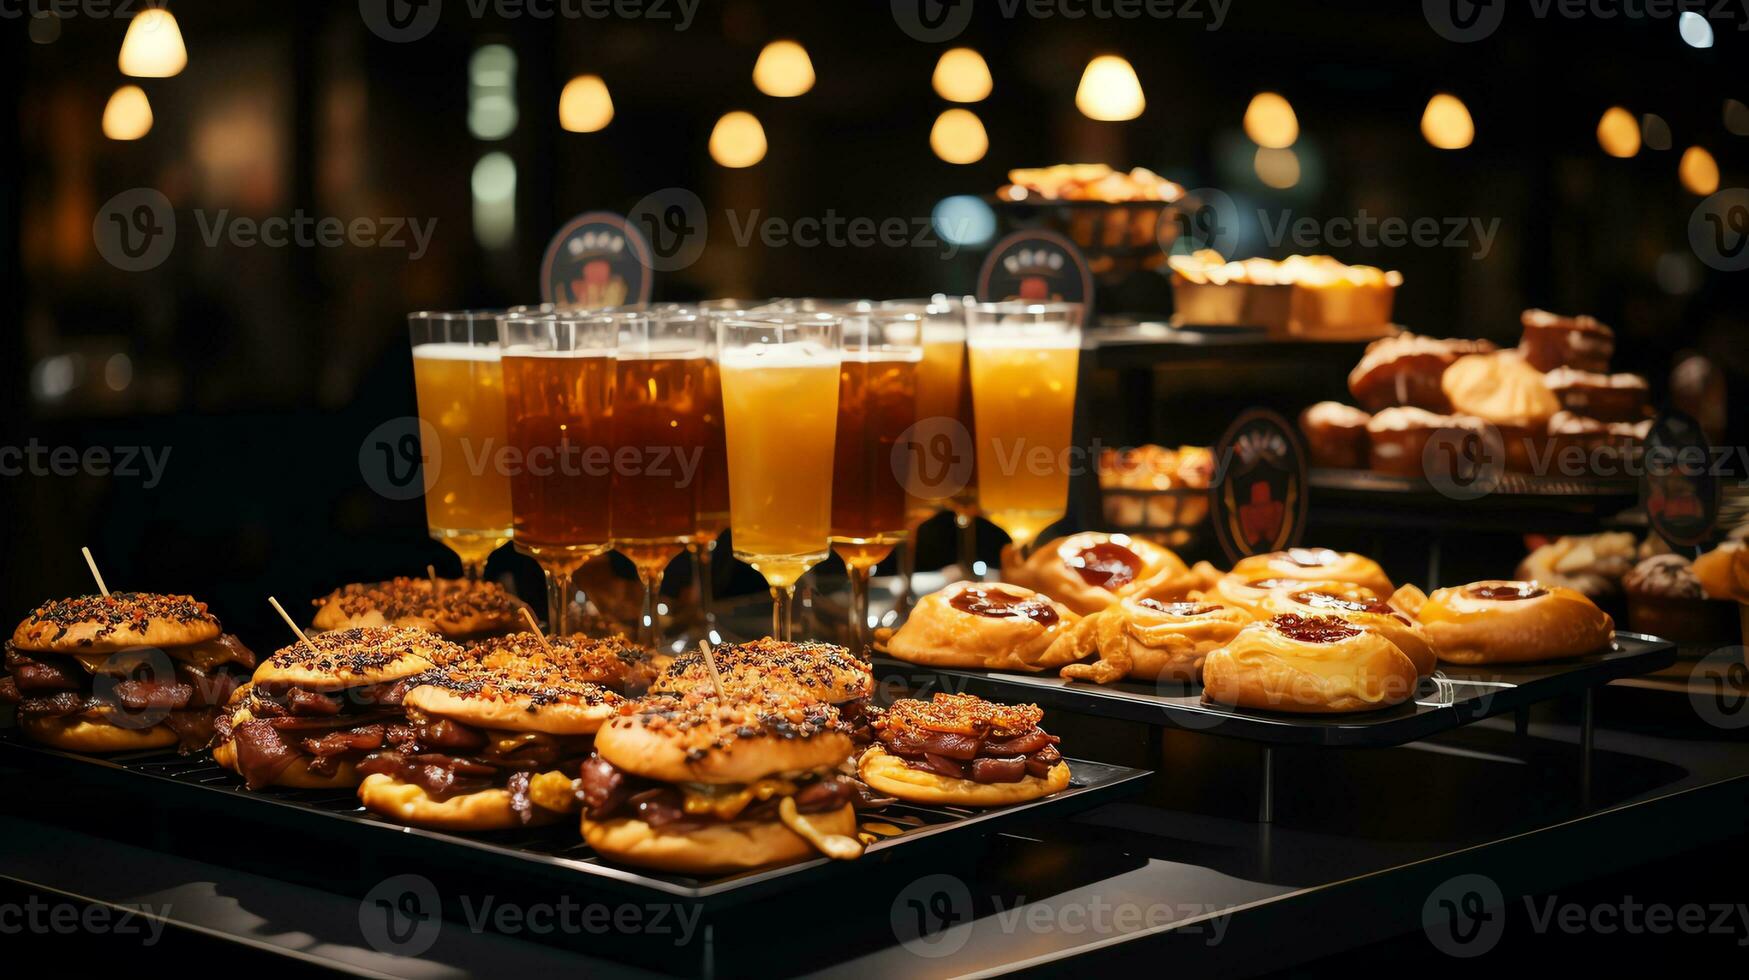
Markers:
<point>253,373</point>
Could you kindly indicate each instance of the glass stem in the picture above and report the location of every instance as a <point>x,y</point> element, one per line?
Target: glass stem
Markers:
<point>473,571</point>
<point>559,599</point>
<point>648,630</point>
<point>702,568</point>
<point>782,612</point>
<point>859,632</point>
<point>907,596</point>
<point>968,541</point>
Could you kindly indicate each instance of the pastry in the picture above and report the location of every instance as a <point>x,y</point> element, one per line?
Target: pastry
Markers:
<point>1666,599</point>
<point>1552,341</point>
<point>992,625</point>
<point>960,750</point>
<point>1407,369</point>
<point>1503,390</point>
<point>1363,607</point>
<point>1605,397</point>
<point>1499,622</point>
<point>1091,570</point>
<point>1129,482</point>
<point>1593,564</point>
<point>1724,574</point>
<point>1248,593</point>
<point>1317,565</point>
<point>1299,296</point>
<point>1397,440</point>
<point>454,609</point>
<point>1311,665</point>
<point>1150,640</point>
<point>1336,435</point>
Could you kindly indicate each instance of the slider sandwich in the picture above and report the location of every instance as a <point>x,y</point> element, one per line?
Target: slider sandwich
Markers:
<point>123,672</point>
<point>960,750</point>
<point>493,747</point>
<point>314,709</point>
<point>691,784</point>
<point>457,610</point>
<point>805,671</point>
<point>614,662</point>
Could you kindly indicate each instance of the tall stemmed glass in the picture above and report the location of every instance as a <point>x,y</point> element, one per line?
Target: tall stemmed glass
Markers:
<point>780,405</point>
<point>657,444</point>
<point>1024,359</point>
<point>877,403</point>
<point>558,376</point>
<point>711,487</point>
<point>458,382</point>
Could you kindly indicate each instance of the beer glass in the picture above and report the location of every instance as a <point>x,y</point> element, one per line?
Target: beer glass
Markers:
<point>658,443</point>
<point>1024,358</point>
<point>558,376</point>
<point>458,383</point>
<point>711,488</point>
<point>877,403</point>
<point>780,409</point>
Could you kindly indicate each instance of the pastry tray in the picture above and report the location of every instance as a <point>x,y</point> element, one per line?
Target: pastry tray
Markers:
<point>554,853</point>
<point>1453,696</point>
<point>1512,485</point>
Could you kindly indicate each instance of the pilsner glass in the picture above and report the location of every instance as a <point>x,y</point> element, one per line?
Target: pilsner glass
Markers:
<point>658,443</point>
<point>780,408</point>
<point>558,376</point>
<point>458,381</point>
<point>1024,358</point>
<point>877,402</point>
<point>711,487</point>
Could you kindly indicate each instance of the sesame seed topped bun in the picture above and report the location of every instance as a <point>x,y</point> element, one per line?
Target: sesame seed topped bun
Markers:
<point>695,738</point>
<point>614,662</point>
<point>91,624</point>
<point>353,658</point>
<point>808,670</point>
<point>455,609</point>
<point>535,699</point>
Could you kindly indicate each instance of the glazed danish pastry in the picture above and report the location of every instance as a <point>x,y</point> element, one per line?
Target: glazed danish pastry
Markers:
<point>1309,665</point>
<point>1363,607</point>
<point>987,624</point>
<point>1092,570</point>
<point>1248,593</point>
<point>1513,622</point>
<point>1317,565</point>
<point>1147,639</point>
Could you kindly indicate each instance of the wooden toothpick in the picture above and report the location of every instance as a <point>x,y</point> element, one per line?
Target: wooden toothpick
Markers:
<point>294,627</point>
<point>533,625</point>
<point>710,661</point>
<point>431,570</point>
<point>94,572</point>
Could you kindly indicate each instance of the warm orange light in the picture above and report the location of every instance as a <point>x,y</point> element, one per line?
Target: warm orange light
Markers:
<point>1279,169</point>
<point>1447,123</point>
<point>738,140</point>
<point>1618,132</point>
<point>1109,90</point>
<point>962,76</point>
<point>958,137</point>
<point>128,115</point>
<point>783,70</point>
<point>153,47</point>
<point>1270,121</point>
<point>1699,172</point>
<point>584,105</point>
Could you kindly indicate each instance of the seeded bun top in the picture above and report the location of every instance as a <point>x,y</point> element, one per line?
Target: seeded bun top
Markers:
<point>695,738</point>
<point>452,608</point>
<point>118,621</point>
<point>538,699</point>
<point>353,658</point>
<point>807,670</point>
<point>613,661</point>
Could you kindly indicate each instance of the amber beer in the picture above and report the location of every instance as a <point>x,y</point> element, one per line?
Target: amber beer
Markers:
<point>711,488</point>
<point>877,402</point>
<point>943,383</point>
<point>559,428</point>
<point>1023,391</point>
<point>657,442</point>
<point>460,391</point>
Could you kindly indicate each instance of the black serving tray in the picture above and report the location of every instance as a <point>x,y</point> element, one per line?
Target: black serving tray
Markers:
<point>557,852</point>
<point>1453,696</point>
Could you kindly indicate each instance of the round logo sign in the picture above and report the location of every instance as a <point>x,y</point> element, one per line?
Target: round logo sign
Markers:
<point>1257,501</point>
<point>598,259</point>
<point>1037,265</point>
<point>1678,486</point>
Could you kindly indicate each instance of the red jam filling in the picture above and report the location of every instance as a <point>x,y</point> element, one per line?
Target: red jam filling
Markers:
<point>1507,591</point>
<point>997,604</point>
<point>1106,565</point>
<point>1324,600</point>
<point>1314,629</point>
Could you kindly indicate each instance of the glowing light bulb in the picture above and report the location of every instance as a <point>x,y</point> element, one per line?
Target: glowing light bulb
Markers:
<point>153,47</point>
<point>584,105</point>
<point>1699,172</point>
<point>962,76</point>
<point>1696,30</point>
<point>1109,90</point>
<point>1279,169</point>
<point>1447,123</point>
<point>958,137</point>
<point>783,70</point>
<point>1618,132</point>
<point>128,115</point>
<point>1270,121</point>
<point>738,140</point>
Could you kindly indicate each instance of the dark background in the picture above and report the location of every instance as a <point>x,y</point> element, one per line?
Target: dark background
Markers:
<point>262,369</point>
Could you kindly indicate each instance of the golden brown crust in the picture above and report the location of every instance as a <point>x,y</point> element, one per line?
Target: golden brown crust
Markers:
<point>92,624</point>
<point>353,658</point>
<point>887,773</point>
<point>720,848</point>
<point>487,809</point>
<point>454,608</point>
<point>1317,565</point>
<point>613,661</point>
<point>94,737</point>
<point>532,699</point>
<point>939,635</point>
<point>1559,623</point>
<point>298,774</point>
<point>1364,607</point>
<point>808,670</point>
<point>1724,572</point>
<point>1266,668</point>
<point>1149,640</point>
<point>697,739</point>
<point>1056,570</point>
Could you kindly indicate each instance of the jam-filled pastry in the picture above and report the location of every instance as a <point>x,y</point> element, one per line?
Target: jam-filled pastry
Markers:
<point>960,750</point>
<point>1317,565</point>
<point>1500,622</point>
<point>1151,640</point>
<point>1249,592</point>
<point>1091,570</point>
<point>1363,607</point>
<point>987,624</point>
<point>1309,665</point>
